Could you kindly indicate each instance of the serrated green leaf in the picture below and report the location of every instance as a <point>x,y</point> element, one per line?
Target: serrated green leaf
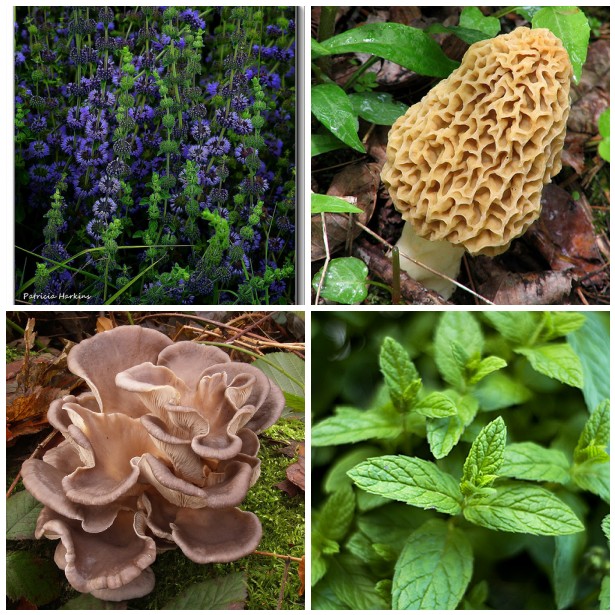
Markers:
<point>570,25</point>
<point>435,405</point>
<point>517,327</point>
<point>332,107</point>
<point>345,281</point>
<point>434,568</point>
<point>560,324</point>
<point>220,594</point>
<point>568,552</point>
<point>392,524</point>
<point>22,510</point>
<point>409,479</point>
<point>377,107</point>
<point>406,46</point>
<point>363,548</point>
<point>606,527</point>
<point>318,567</point>
<point>594,439</point>
<point>336,514</point>
<point>557,361</point>
<point>460,329</point>
<point>525,509</point>
<point>530,461</point>
<point>499,391</point>
<point>443,434</point>
<point>487,366</point>
<point>324,203</point>
<point>31,577</point>
<point>399,373</point>
<point>350,425</point>
<point>336,477</point>
<point>486,454</point>
<point>353,584</point>
<point>591,343</point>
<point>286,370</point>
<point>593,476</point>
<point>605,593</point>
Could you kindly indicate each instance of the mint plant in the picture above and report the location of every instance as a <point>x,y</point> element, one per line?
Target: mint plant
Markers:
<point>480,463</point>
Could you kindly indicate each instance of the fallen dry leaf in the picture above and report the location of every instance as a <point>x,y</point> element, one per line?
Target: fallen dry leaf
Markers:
<point>103,324</point>
<point>294,482</point>
<point>301,573</point>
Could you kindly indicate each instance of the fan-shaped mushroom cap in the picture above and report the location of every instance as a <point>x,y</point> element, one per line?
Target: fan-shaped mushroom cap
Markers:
<point>468,162</point>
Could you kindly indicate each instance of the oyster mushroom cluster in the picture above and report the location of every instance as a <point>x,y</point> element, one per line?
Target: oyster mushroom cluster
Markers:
<point>157,455</point>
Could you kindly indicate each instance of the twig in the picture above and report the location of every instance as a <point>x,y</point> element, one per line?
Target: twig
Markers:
<point>283,584</point>
<point>268,554</point>
<point>248,329</point>
<point>327,258</point>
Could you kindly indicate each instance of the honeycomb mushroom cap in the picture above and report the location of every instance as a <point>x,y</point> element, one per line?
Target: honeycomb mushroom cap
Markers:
<point>467,163</point>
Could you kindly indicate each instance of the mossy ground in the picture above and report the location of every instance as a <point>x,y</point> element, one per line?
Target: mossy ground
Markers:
<point>283,520</point>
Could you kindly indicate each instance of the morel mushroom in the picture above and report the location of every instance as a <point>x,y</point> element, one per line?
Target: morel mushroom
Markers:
<point>156,456</point>
<point>466,165</point>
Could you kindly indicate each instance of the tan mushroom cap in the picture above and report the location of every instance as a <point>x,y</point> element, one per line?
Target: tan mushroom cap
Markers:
<point>467,163</point>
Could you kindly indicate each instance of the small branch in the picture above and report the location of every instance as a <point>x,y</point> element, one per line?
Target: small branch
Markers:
<point>283,584</point>
<point>268,554</point>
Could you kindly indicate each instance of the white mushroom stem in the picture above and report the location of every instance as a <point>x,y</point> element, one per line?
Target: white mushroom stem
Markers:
<point>440,256</point>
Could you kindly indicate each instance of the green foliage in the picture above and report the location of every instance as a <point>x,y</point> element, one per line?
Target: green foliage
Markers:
<point>345,281</point>
<point>219,594</point>
<point>22,511</point>
<point>31,577</point>
<point>604,127</point>
<point>323,203</point>
<point>443,494</point>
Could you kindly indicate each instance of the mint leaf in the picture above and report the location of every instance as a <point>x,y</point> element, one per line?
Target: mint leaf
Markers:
<point>411,480</point>
<point>523,508</point>
<point>487,366</point>
<point>591,343</point>
<point>499,391</point>
<point>399,373</point>
<point>461,330</point>
<point>594,438</point>
<point>606,527</point>
<point>530,461</point>
<point>557,361</point>
<point>593,476</point>
<point>434,568</point>
<point>486,455</point>
<point>605,593</point>
<point>560,324</point>
<point>350,425</point>
<point>517,327</point>
<point>336,514</point>
<point>352,583</point>
<point>391,524</point>
<point>443,434</point>
<point>435,405</point>
<point>319,567</point>
<point>336,477</point>
<point>568,552</point>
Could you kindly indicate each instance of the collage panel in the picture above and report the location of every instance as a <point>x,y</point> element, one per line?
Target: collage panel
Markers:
<point>460,460</point>
<point>460,155</point>
<point>155,155</point>
<point>156,460</point>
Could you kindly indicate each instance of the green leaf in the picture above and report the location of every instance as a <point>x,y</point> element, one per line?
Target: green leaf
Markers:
<point>557,361</point>
<point>471,17</point>
<point>486,454</point>
<point>443,434</point>
<point>399,373</point>
<point>321,144</point>
<point>593,476</point>
<point>345,281</point>
<point>591,343</point>
<point>352,584</point>
<point>31,577</point>
<point>604,127</point>
<point>434,568</point>
<point>22,510</point>
<point>527,12</point>
<point>570,25</point>
<point>336,477</point>
<point>530,461</point>
<point>605,593</point>
<point>517,327</point>
<point>487,366</point>
<point>323,203</point>
<point>392,524</point>
<point>87,602</point>
<point>499,391</point>
<point>336,514</point>
<point>606,527</point>
<point>568,552</point>
<point>435,405</point>
<point>220,594</point>
<point>288,372</point>
<point>409,479</point>
<point>350,425</point>
<point>317,49</point>
<point>594,439</point>
<point>318,567</point>
<point>377,107</point>
<point>523,508</point>
<point>461,329</point>
<point>560,324</point>
<point>467,35</point>
<point>332,107</point>
<point>406,46</point>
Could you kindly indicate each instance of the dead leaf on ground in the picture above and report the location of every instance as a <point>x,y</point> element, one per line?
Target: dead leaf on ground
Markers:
<point>301,573</point>
<point>104,324</point>
<point>360,180</point>
<point>294,482</point>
